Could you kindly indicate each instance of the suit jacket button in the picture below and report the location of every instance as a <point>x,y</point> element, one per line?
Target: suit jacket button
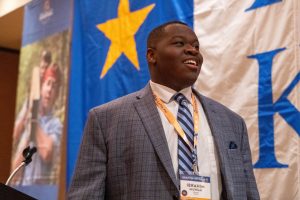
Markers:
<point>175,197</point>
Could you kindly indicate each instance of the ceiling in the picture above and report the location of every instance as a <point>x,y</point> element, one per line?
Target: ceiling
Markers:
<point>11,29</point>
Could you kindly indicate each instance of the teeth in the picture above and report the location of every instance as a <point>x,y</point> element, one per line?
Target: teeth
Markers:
<point>190,62</point>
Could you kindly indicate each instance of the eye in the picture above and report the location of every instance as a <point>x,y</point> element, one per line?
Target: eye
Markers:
<point>178,43</point>
<point>196,46</point>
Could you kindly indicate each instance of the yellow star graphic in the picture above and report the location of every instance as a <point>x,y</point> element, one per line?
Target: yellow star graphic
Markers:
<point>120,31</point>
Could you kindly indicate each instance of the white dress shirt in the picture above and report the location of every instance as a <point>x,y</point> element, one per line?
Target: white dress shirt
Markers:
<point>206,151</point>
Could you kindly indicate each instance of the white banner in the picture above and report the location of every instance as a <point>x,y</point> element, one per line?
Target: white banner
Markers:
<point>252,65</point>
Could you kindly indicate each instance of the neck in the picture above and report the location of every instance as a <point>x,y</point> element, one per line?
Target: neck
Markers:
<point>44,111</point>
<point>173,87</point>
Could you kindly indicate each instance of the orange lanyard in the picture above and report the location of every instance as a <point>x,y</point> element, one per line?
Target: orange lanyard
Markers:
<point>172,120</point>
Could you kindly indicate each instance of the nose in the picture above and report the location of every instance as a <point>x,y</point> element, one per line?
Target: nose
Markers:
<point>191,50</point>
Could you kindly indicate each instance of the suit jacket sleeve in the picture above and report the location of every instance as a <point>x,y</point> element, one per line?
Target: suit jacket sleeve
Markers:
<point>90,173</point>
<point>252,192</point>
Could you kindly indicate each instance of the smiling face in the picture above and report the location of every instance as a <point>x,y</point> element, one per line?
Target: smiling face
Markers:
<point>174,58</point>
<point>50,88</point>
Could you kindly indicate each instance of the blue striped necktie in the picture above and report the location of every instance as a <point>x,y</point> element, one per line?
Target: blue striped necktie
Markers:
<point>185,119</point>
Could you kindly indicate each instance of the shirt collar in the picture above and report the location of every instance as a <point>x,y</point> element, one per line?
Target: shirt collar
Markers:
<point>165,93</point>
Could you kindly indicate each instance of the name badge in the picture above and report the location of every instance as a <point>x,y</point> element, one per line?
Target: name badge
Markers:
<point>194,187</point>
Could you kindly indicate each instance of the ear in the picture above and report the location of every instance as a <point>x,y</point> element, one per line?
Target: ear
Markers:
<point>151,58</point>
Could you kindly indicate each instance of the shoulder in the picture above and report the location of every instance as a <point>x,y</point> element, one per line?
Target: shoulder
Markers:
<point>220,107</point>
<point>116,112</point>
<point>210,105</point>
<point>51,124</point>
<point>222,118</point>
<point>122,104</point>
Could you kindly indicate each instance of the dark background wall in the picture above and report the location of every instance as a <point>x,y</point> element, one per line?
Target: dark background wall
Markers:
<point>9,60</point>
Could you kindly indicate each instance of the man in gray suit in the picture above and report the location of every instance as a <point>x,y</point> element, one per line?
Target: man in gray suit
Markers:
<point>131,146</point>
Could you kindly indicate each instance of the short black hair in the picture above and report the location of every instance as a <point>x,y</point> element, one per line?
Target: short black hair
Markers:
<point>158,31</point>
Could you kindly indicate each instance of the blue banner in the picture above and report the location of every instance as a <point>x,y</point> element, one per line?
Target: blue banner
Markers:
<point>41,97</point>
<point>109,54</point>
<point>43,18</point>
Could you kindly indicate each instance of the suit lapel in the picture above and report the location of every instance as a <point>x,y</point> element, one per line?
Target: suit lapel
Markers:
<point>149,115</point>
<point>220,136</point>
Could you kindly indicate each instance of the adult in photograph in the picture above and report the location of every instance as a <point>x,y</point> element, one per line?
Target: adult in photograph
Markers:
<point>152,143</point>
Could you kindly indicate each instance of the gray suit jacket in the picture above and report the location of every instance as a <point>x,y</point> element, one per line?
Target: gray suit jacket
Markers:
<point>124,152</point>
